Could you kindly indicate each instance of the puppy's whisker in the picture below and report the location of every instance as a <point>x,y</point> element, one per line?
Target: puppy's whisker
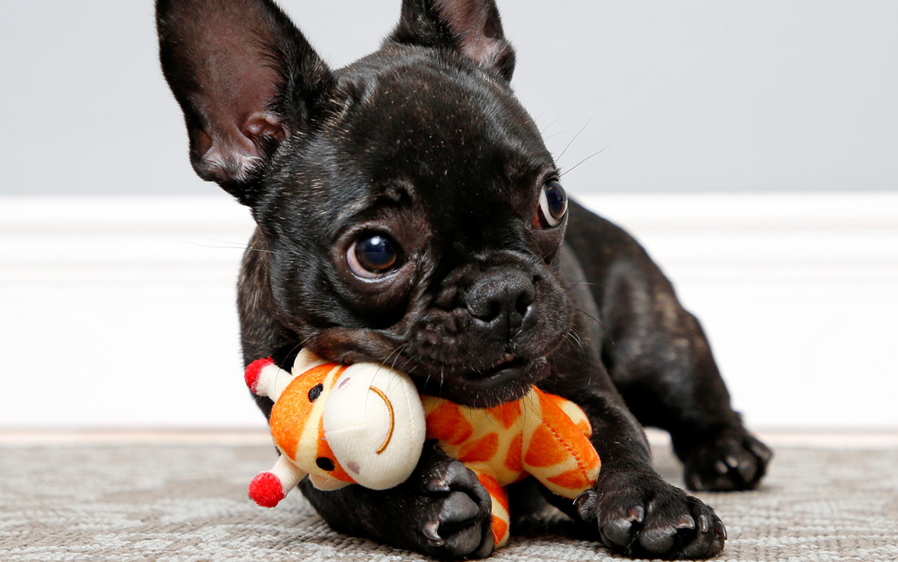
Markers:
<point>398,352</point>
<point>578,283</point>
<point>590,316</point>
<point>571,339</point>
<point>573,336</point>
<point>560,156</point>
<point>555,135</point>
<point>251,249</point>
<point>597,321</point>
<point>383,362</point>
<point>584,160</point>
<point>547,127</point>
<point>404,365</point>
<point>295,347</point>
<point>398,355</point>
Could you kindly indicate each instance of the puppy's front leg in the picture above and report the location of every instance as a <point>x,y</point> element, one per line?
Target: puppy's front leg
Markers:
<point>631,508</point>
<point>441,510</point>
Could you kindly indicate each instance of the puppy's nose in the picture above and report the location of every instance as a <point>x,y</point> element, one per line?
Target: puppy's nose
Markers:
<point>500,298</point>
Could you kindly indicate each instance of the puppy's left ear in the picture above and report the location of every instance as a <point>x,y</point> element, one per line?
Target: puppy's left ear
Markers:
<point>470,27</point>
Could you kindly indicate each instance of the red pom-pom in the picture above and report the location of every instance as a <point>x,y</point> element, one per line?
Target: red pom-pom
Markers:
<point>253,372</point>
<point>266,489</point>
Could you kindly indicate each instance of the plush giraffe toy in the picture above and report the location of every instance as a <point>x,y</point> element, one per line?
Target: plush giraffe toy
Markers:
<point>366,424</point>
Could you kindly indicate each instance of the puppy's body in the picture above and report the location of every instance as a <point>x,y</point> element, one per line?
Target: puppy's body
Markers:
<point>409,213</point>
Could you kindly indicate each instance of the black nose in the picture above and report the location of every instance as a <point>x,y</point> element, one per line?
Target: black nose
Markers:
<point>501,298</point>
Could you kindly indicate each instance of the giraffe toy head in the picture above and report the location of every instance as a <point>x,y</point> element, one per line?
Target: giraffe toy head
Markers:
<point>340,425</point>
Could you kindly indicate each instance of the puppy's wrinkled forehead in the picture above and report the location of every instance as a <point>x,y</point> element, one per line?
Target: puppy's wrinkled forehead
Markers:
<point>454,139</point>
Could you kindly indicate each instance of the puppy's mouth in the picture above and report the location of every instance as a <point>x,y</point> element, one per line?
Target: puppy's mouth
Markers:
<point>508,380</point>
<point>509,368</point>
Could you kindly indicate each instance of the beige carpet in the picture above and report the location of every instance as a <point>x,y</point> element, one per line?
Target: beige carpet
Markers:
<point>183,503</point>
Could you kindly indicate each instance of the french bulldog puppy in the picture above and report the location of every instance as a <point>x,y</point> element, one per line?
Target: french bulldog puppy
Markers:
<point>409,213</point>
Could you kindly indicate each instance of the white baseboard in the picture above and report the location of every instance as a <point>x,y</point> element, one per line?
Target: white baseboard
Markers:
<point>120,312</point>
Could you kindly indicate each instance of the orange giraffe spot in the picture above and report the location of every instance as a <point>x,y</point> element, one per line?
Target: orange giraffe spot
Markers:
<point>552,413</point>
<point>291,412</point>
<point>571,410</point>
<point>498,524</point>
<point>483,449</point>
<point>507,413</point>
<point>499,529</point>
<point>494,489</point>
<point>447,423</point>
<point>564,435</point>
<point>574,479</point>
<point>557,400</point>
<point>545,448</point>
<point>513,458</point>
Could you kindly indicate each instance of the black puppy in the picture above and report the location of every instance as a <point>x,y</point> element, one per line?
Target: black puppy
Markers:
<point>409,213</point>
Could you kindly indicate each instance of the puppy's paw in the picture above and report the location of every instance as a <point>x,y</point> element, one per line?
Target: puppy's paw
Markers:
<point>728,460</point>
<point>452,510</point>
<point>642,516</point>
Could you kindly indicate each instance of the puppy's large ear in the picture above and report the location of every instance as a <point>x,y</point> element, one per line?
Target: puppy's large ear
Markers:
<point>472,27</point>
<point>246,79</point>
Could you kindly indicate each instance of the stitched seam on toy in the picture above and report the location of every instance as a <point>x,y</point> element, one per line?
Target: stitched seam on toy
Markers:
<point>571,451</point>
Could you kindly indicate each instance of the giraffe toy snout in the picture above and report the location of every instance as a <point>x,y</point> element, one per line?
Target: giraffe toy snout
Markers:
<point>374,424</point>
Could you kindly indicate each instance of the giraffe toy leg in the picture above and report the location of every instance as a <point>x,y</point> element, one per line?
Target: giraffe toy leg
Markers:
<point>500,523</point>
<point>269,488</point>
<point>264,378</point>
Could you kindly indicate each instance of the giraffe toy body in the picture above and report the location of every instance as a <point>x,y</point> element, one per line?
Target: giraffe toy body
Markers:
<point>541,435</point>
<point>365,424</point>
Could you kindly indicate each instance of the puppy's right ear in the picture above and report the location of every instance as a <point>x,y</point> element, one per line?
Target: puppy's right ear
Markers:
<point>470,27</point>
<point>246,79</point>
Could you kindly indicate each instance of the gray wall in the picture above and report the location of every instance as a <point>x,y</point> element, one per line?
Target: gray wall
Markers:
<point>777,95</point>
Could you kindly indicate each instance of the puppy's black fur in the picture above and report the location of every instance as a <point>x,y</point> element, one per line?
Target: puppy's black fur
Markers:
<point>422,152</point>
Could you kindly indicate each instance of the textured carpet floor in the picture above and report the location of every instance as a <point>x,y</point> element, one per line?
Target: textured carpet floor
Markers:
<point>188,503</point>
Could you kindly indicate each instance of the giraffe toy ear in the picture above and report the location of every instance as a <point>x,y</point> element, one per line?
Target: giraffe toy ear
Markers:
<point>305,361</point>
<point>374,424</point>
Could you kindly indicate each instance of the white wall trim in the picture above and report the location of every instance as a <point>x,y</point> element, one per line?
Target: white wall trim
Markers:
<point>126,306</point>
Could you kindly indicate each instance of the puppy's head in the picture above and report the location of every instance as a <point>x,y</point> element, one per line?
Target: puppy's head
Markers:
<point>411,212</point>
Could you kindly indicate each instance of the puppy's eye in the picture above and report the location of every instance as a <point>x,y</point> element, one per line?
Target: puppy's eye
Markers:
<point>372,256</point>
<point>552,206</point>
